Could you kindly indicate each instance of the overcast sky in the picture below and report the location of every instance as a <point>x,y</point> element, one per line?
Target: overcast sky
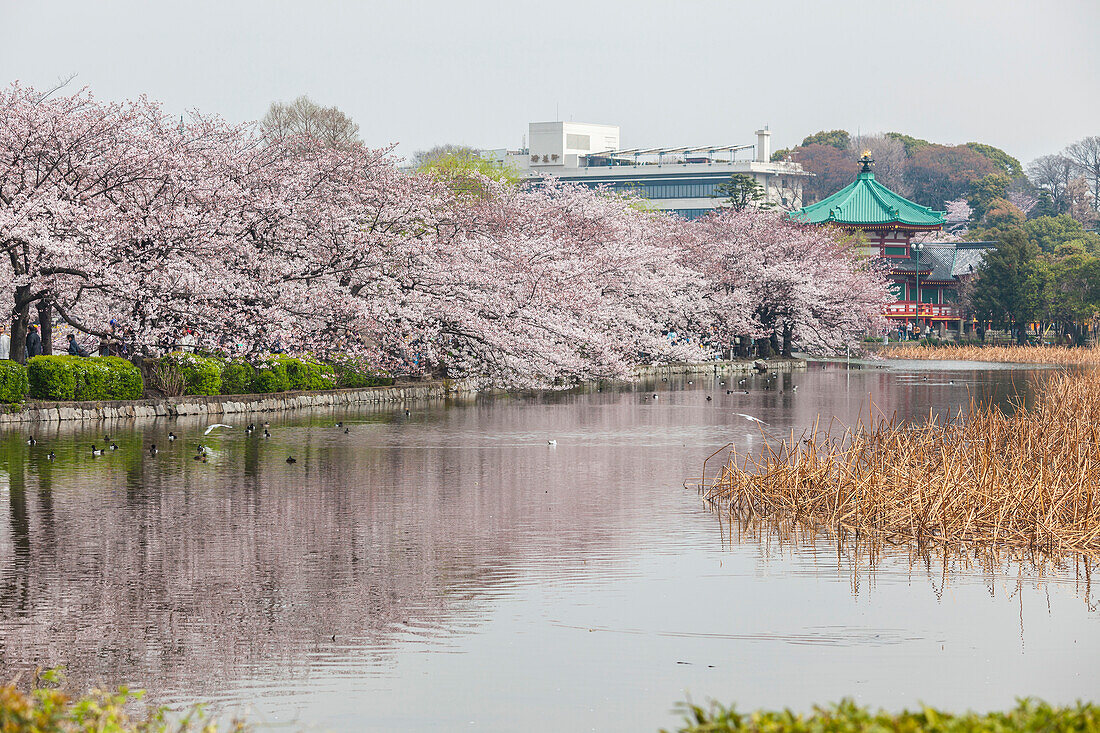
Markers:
<point>1022,76</point>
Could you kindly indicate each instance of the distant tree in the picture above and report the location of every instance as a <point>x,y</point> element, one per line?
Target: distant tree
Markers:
<point>1008,165</point>
<point>891,160</point>
<point>939,173</point>
<point>1045,233</point>
<point>1085,155</point>
<point>984,191</point>
<point>839,139</point>
<point>831,167</point>
<point>912,144</point>
<point>1079,202</point>
<point>464,169</point>
<point>1001,214</point>
<point>436,153</point>
<point>1044,205</point>
<point>1052,173</point>
<point>742,191</point>
<point>782,154</point>
<point>304,117</point>
<point>1008,289</point>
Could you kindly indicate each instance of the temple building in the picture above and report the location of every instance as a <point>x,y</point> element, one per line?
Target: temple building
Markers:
<point>925,275</point>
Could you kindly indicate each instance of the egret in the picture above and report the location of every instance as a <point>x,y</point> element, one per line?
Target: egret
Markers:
<point>210,428</point>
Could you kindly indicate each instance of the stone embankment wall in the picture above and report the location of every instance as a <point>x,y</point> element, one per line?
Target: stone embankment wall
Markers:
<point>39,411</point>
<point>33,411</point>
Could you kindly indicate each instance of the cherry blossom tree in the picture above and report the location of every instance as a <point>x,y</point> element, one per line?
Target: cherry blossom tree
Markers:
<point>116,216</point>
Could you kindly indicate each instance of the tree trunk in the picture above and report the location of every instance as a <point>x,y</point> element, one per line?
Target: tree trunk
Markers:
<point>1021,334</point>
<point>764,347</point>
<point>788,335</point>
<point>20,320</point>
<point>45,326</point>
<point>773,340</point>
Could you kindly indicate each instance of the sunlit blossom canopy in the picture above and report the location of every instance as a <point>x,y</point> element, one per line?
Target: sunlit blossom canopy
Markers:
<point>867,204</point>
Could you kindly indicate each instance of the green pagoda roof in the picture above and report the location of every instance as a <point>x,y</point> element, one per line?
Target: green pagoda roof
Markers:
<point>867,203</point>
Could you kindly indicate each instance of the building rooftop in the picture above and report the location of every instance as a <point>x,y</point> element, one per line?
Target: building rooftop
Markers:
<point>867,203</point>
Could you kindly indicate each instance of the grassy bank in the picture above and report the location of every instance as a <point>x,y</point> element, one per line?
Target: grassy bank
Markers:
<point>45,710</point>
<point>1000,354</point>
<point>1027,479</point>
<point>847,717</point>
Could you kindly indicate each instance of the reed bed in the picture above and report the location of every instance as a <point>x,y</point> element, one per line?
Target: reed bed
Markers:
<point>1022,479</point>
<point>1001,354</point>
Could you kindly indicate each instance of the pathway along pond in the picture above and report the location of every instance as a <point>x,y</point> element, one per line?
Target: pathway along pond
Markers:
<point>477,578</point>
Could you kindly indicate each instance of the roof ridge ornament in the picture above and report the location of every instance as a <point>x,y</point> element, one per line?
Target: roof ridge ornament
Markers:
<point>867,161</point>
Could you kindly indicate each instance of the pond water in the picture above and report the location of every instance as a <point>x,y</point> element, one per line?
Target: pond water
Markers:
<point>452,570</point>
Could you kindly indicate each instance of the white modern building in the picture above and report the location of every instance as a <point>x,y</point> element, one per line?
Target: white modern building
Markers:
<point>677,179</point>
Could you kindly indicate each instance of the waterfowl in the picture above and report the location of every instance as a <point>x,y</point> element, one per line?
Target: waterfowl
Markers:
<point>171,436</point>
<point>347,430</point>
<point>50,456</point>
<point>96,451</point>
<point>215,425</point>
<point>551,442</point>
<point>266,434</point>
<point>250,428</point>
<point>708,398</point>
<point>201,457</point>
<point>407,413</point>
<point>114,447</point>
<point>655,396</point>
<point>31,441</point>
<point>106,438</point>
<point>339,424</point>
<point>153,449</point>
<point>290,459</point>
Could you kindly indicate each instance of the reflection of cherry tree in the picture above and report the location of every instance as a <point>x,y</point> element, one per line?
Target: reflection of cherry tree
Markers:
<point>117,212</point>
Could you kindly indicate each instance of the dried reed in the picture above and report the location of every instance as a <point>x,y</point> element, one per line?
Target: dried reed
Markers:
<point>1003,354</point>
<point>1023,479</point>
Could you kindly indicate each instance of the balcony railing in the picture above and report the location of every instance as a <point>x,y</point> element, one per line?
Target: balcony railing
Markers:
<point>927,310</point>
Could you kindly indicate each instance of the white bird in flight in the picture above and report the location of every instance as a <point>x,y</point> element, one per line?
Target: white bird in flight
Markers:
<point>751,418</point>
<point>216,425</point>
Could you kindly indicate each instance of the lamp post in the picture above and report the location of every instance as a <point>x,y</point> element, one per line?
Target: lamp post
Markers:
<point>916,248</point>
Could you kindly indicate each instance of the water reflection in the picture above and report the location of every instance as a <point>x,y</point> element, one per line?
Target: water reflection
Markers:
<point>451,566</point>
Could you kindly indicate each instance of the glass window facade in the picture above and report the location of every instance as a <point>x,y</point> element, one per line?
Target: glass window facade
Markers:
<point>691,213</point>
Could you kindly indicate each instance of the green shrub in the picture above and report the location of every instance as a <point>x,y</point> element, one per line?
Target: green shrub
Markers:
<point>307,374</point>
<point>1028,715</point>
<point>353,374</point>
<point>270,377</point>
<point>51,378</point>
<point>202,375</point>
<point>87,379</point>
<point>13,381</point>
<point>125,381</point>
<point>237,377</point>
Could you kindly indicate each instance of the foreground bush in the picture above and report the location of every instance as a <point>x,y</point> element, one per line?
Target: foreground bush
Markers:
<point>50,711</point>
<point>270,377</point>
<point>83,378</point>
<point>202,375</point>
<point>13,381</point>
<point>847,717</point>
<point>1004,354</point>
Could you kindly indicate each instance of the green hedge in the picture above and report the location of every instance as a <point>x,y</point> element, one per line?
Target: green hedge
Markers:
<point>237,377</point>
<point>83,378</point>
<point>352,374</point>
<point>13,381</point>
<point>202,375</point>
<point>307,374</point>
<point>270,377</point>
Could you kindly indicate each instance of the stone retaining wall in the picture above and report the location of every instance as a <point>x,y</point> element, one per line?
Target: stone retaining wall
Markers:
<point>41,411</point>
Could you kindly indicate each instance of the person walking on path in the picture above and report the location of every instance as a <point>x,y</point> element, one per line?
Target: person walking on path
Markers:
<point>75,349</point>
<point>5,343</point>
<point>34,342</point>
